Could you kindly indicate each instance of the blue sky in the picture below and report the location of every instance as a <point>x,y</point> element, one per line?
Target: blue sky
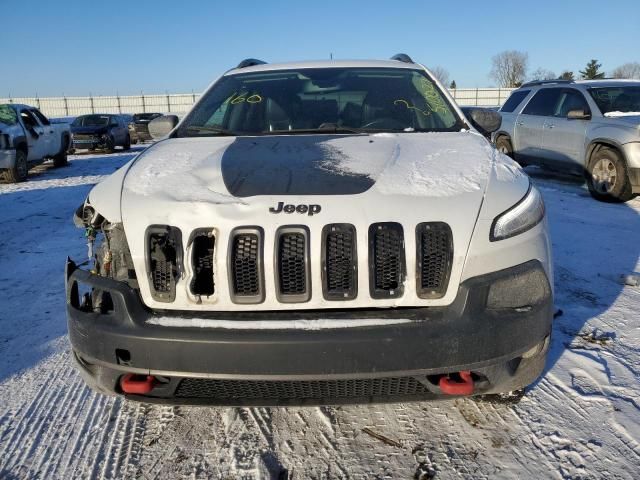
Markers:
<point>81,47</point>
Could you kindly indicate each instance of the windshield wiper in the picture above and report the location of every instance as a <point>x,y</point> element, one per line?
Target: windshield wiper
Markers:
<point>331,129</point>
<point>211,130</point>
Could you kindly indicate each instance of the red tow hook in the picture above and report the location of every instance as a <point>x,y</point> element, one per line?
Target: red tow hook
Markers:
<point>137,384</point>
<point>452,387</point>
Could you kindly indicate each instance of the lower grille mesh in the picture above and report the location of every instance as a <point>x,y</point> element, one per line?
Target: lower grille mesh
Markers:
<point>247,389</point>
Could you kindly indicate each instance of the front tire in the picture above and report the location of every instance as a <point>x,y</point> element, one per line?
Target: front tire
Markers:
<point>503,145</point>
<point>110,145</point>
<point>61,160</point>
<point>127,143</point>
<point>20,169</point>
<point>607,177</point>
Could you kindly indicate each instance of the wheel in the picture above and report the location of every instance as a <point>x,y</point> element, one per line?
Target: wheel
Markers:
<point>607,176</point>
<point>503,145</point>
<point>60,160</point>
<point>110,145</point>
<point>127,143</point>
<point>19,171</point>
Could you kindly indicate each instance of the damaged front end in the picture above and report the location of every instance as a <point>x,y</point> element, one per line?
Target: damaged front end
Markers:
<point>108,256</point>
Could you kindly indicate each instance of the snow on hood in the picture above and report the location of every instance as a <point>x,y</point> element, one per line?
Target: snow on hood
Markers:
<point>175,171</point>
<point>622,114</point>
<point>224,170</point>
<point>423,164</point>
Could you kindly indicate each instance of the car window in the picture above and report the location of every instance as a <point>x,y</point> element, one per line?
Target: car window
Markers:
<point>8,115</point>
<point>322,99</point>
<point>544,102</point>
<point>514,100</point>
<point>28,119</point>
<point>91,121</point>
<point>625,98</point>
<point>571,100</point>
<point>40,116</point>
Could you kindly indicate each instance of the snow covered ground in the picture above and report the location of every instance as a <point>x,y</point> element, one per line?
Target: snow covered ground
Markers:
<point>581,420</point>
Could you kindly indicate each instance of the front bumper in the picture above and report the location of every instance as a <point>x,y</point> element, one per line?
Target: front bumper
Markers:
<point>89,143</point>
<point>7,158</point>
<point>505,348</point>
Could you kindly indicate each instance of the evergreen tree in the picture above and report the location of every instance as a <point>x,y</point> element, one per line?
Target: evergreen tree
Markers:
<point>592,71</point>
<point>453,85</point>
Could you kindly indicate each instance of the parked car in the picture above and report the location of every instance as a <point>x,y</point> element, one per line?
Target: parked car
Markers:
<point>133,135</point>
<point>314,233</point>
<point>141,124</point>
<point>588,127</point>
<point>100,131</point>
<point>28,138</point>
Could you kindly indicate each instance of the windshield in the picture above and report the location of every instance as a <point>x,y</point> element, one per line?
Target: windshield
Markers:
<point>612,100</point>
<point>8,115</point>
<point>323,100</point>
<point>91,121</point>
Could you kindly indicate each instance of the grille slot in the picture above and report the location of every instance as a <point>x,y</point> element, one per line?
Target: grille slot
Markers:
<point>434,242</point>
<point>339,262</point>
<point>164,257</point>
<point>245,265</point>
<point>387,269</point>
<point>292,264</point>
<point>202,248</point>
<point>290,389</point>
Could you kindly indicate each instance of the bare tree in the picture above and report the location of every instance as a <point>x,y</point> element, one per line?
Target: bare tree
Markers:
<point>510,68</point>
<point>628,70</point>
<point>441,74</point>
<point>542,74</point>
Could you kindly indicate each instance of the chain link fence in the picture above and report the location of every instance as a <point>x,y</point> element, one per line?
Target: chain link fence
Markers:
<point>181,103</point>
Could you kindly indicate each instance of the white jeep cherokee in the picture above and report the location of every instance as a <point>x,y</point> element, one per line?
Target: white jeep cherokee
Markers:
<point>314,233</point>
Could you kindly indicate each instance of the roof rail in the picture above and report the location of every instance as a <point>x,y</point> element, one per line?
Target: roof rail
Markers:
<point>534,83</point>
<point>250,62</point>
<point>402,57</point>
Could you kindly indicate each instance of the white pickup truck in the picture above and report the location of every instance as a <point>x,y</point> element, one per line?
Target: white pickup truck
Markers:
<point>28,138</point>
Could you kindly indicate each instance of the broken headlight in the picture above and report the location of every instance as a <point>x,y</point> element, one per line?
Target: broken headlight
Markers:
<point>523,216</point>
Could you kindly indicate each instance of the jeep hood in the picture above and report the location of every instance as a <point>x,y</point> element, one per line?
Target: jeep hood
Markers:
<point>225,182</point>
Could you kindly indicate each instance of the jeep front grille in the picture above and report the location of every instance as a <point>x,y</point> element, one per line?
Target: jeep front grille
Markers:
<point>298,389</point>
<point>386,260</point>
<point>164,257</point>
<point>202,247</point>
<point>434,257</point>
<point>245,266</point>
<point>339,262</point>
<point>292,264</point>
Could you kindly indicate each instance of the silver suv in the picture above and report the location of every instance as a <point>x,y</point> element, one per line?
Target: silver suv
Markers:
<point>590,127</point>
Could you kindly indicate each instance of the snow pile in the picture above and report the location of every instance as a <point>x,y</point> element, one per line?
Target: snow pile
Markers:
<point>420,164</point>
<point>319,324</point>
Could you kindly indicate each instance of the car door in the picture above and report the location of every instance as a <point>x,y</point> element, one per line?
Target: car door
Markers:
<point>563,138</point>
<point>35,135</point>
<point>51,143</point>
<point>530,123</point>
<point>118,131</point>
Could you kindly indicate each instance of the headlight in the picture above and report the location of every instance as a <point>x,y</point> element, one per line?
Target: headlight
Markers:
<point>523,216</point>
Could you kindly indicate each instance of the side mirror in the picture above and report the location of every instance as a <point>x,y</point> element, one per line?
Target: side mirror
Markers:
<point>162,126</point>
<point>578,115</point>
<point>486,121</point>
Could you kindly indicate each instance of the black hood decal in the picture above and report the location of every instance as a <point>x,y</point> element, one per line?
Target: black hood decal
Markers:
<point>289,165</point>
